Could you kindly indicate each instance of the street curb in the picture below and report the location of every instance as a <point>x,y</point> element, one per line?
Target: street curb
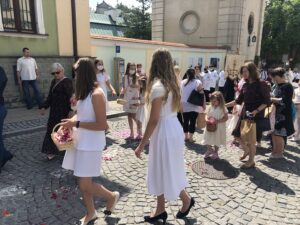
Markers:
<point>42,128</point>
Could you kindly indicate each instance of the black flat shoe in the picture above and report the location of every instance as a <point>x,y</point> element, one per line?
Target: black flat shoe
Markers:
<point>6,160</point>
<point>163,216</point>
<point>181,215</point>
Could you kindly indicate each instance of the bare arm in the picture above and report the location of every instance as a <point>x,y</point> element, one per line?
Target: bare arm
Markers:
<point>230,104</point>
<point>108,84</point>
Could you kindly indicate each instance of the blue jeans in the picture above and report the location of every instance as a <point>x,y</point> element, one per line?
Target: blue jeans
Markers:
<point>28,100</point>
<point>3,153</point>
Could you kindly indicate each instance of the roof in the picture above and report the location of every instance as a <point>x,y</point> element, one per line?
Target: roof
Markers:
<point>103,29</point>
<point>104,5</point>
<point>105,19</point>
<point>150,42</point>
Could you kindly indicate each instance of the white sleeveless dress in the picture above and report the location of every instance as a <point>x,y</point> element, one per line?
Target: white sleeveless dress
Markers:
<point>85,159</point>
<point>166,167</point>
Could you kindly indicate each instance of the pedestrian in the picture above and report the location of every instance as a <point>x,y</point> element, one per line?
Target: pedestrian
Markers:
<point>131,96</point>
<point>296,101</point>
<point>190,111</point>
<point>221,81</point>
<point>230,88</point>
<point>27,72</point>
<point>89,132</point>
<point>198,73</point>
<point>140,114</point>
<point>255,97</point>
<point>206,83</point>
<point>213,74</point>
<point>166,168</point>
<point>5,155</point>
<point>58,100</point>
<point>284,127</point>
<point>217,112</point>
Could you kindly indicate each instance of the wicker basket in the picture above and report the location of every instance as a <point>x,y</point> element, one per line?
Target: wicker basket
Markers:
<point>121,101</point>
<point>211,127</point>
<point>62,146</point>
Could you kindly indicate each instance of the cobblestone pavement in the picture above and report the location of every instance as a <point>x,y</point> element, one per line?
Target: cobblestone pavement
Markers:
<point>35,191</point>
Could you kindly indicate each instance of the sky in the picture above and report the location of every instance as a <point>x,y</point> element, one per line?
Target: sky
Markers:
<point>113,3</point>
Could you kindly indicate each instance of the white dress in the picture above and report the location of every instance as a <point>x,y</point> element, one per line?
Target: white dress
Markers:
<point>166,168</point>
<point>131,95</point>
<point>102,78</point>
<point>85,159</point>
<point>140,113</point>
<point>218,137</point>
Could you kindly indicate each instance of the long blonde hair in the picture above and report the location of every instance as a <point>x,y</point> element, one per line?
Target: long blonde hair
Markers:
<point>219,97</point>
<point>162,68</point>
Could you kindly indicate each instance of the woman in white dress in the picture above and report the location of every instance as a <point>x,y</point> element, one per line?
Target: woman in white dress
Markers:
<point>166,168</point>
<point>88,125</point>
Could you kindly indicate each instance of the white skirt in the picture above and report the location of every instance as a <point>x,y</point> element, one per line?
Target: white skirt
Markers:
<point>83,163</point>
<point>166,167</point>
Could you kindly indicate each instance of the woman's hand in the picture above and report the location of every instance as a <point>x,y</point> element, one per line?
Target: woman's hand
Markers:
<point>138,151</point>
<point>114,93</point>
<point>68,123</point>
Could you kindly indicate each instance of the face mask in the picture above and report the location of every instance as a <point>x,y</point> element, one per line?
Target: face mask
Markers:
<point>100,67</point>
<point>132,72</point>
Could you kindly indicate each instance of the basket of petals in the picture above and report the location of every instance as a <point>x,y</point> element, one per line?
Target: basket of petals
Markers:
<point>62,138</point>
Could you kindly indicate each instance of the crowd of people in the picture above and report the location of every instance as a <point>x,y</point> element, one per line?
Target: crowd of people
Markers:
<point>163,106</point>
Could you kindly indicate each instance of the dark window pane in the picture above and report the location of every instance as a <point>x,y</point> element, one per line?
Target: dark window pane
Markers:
<point>8,16</point>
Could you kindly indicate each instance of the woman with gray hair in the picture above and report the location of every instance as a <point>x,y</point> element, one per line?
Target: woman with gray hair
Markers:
<point>58,100</point>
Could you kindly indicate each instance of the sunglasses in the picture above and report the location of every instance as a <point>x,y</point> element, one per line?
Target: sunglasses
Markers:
<point>55,73</point>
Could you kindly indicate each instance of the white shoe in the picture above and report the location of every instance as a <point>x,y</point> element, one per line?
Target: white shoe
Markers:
<point>272,156</point>
<point>109,212</point>
<point>95,216</point>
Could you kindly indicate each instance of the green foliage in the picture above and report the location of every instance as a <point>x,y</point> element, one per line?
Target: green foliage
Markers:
<point>137,20</point>
<point>281,30</point>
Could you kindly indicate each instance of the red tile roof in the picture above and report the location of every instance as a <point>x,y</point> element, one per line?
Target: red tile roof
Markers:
<point>132,40</point>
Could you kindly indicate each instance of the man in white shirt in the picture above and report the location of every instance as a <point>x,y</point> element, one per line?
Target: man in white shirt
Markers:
<point>213,79</point>
<point>222,81</point>
<point>27,71</point>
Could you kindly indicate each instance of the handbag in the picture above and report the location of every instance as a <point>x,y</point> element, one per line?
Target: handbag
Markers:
<point>196,98</point>
<point>264,124</point>
<point>248,131</point>
<point>201,123</point>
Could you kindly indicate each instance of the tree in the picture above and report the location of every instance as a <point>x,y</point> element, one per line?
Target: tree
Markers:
<point>281,31</point>
<point>137,20</point>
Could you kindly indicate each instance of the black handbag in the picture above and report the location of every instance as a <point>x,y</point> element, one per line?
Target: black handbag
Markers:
<point>196,98</point>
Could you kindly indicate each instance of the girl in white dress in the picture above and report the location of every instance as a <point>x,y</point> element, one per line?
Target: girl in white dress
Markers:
<point>140,114</point>
<point>166,168</point>
<point>131,95</point>
<point>88,125</point>
<point>218,111</point>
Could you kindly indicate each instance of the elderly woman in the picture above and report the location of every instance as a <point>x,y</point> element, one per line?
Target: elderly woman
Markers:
<point>58,101</point>
<point>255,96</point>
<point>282,99</point>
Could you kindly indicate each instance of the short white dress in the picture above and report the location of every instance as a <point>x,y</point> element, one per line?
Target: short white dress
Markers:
<point>218,137</point>
<point>102,78</point>
<point>131,95</point>
<point>140,113</point>
<point>85,159</point>
<point>166,168</point>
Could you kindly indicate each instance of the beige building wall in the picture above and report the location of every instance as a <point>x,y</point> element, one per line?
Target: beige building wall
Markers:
<point>65,31</point>
<point>222,23</point>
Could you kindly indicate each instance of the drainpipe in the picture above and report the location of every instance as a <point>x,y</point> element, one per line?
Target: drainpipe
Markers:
<point>74,29</point>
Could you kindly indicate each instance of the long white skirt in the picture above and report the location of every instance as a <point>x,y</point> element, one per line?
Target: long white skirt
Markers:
<point>166,168</point>
<point>83,163</point>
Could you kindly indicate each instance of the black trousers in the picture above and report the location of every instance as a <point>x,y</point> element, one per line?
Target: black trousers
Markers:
<point>189,122</point>
<point>179,116</point>
<point>206,95</point>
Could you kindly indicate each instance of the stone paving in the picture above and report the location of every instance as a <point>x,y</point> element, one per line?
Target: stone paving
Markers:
<point>35,191</point>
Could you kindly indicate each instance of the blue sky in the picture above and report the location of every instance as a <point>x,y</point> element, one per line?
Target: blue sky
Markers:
<point>113,3</point>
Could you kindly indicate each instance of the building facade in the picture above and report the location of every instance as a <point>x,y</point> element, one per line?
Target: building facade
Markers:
<point>50,30</point>
<point>234,24</point>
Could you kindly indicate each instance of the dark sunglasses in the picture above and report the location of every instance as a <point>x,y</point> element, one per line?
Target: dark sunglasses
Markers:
<point>55,73</point>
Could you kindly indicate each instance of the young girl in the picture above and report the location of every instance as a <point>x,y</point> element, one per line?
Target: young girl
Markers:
<point>219,113</point>
<point>166,173</point>
<point>140,114</point>
<point>131,95</point>
<point>90,123</point>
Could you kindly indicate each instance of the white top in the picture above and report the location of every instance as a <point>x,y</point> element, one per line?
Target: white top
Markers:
<point>297,96</point>
<point>296,75</point>
<point>264,75</point>
<point>88,140</point>
<point>27,67</point>
<point>102,78</point>
<point>206,81</point>
<point>186,92</point>
<point>222,79</point>
<point>213,78</point>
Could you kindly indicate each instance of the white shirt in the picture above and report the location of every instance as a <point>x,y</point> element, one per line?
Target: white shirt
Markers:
<point>213,78</point>
<point>264,75</point>
<point>102,78</point>
<point>186,92</point>
<point>206,81</point>
<point>296,75</point>
<point>222,79</point>
<point>27,68</point>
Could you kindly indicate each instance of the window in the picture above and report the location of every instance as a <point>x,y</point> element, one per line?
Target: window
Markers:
<point>18,15</point>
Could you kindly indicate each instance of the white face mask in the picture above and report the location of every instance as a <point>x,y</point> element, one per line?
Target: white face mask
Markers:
<point>100,67</point>
<point>131,72</point>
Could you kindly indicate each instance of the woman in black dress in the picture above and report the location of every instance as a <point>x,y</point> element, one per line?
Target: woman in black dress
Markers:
<point>229,92</point>
<point>282,99</point>
<point>58,100</point>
